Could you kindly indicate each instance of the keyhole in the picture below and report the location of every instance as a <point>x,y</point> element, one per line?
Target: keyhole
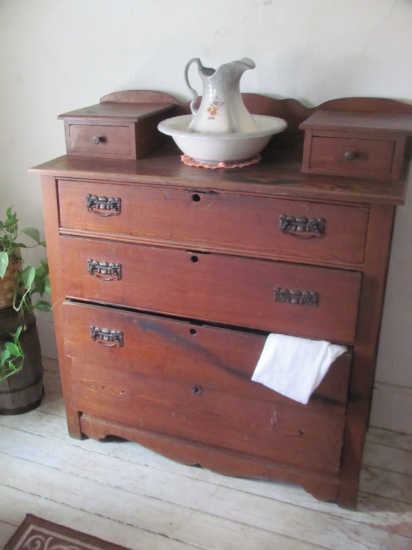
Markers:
<point>194,259</point>
<point>197,390</point>
<point>196,197</point>
<point>193,331</point>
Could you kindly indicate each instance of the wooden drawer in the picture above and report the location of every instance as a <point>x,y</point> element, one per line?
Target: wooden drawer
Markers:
<point>351,156</point>
<point>112,130</point>
<point>352,143</point>
<point>101,141</point>
<point>193,382</point>
<point>254,226</point>
<point>307,301</point>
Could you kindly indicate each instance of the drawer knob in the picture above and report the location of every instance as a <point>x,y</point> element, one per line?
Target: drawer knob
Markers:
<point>197,390</point>
<point>350,155</point>
<point>97,140</point>
<point>106,337</point>
<point>103,206</point>
<point>301,227</point>
<point>300,297</point>
<point>105,271</point>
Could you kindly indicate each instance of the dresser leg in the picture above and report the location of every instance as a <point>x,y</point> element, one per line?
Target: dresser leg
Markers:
<point>73,425</point>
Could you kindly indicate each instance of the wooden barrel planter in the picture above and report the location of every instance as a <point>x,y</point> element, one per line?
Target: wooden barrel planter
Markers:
<point>23,391</point>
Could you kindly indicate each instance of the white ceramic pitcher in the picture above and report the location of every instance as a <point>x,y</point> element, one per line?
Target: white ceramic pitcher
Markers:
<point>221,110</point>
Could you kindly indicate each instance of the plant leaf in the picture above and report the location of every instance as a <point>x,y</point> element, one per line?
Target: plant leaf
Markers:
<point>33,233</point>
<point>40,271</point>
<point>45,263</point>
<point>42,305</point>
<point>11,218</point>
<point>12,348</point>
<point>4,356</point>
<point>16,335</point>
<point>4,262</point>
<point>27,276</point>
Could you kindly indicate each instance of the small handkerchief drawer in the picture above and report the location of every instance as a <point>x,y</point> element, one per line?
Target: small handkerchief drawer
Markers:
<point>351,156</point>
<point>351,143</point>
<point>114,131</point>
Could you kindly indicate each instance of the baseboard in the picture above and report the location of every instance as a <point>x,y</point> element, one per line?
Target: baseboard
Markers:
<point>392,408</point>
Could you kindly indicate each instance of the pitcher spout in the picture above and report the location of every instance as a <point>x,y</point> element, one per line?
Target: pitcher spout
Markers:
<point>247,63</point>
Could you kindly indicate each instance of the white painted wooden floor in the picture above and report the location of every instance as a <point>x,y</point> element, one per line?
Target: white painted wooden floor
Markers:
<point>131,496</point>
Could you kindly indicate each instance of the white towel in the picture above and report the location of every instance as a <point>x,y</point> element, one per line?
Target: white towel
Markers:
<point>295,366</point>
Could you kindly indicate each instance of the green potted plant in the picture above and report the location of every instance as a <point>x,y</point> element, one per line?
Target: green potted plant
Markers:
<point>20,283</point>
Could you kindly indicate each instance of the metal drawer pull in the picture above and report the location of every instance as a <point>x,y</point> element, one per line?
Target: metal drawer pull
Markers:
<point>197,390</point>
<point>103,206</point>
<point>300,297</point>
<point>105,271</point>
<point>350,155</point>
<point>301,225</point>
<point>106,337</point>
<point>97,139</point>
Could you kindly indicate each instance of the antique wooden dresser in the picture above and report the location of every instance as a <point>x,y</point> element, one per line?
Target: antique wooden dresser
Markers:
<point>167,279</point>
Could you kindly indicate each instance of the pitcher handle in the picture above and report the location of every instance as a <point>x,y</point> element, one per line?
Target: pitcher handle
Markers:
<point>194,93</point>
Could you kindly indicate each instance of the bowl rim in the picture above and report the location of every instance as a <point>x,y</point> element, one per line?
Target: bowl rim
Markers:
<point>278,125</point>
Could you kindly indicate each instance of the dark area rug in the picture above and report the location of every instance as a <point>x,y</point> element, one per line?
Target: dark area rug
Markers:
<point>40,534</point>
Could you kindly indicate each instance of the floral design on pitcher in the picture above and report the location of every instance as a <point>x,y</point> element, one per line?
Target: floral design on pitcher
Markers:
<point>214,108</point>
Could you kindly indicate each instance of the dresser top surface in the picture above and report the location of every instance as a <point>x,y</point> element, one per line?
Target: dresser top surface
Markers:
<point>277,174</point>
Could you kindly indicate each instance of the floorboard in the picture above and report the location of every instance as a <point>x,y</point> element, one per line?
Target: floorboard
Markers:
<point>131,496</point>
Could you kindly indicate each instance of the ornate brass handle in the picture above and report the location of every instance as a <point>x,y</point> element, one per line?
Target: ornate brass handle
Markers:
<point>301,227</point>
<point>300,297</point>
<point>105,271</point>
<point>106,337</point>
<point>103,206</point>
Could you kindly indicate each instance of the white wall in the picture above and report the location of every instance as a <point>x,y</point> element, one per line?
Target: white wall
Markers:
<point>56,56</point>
